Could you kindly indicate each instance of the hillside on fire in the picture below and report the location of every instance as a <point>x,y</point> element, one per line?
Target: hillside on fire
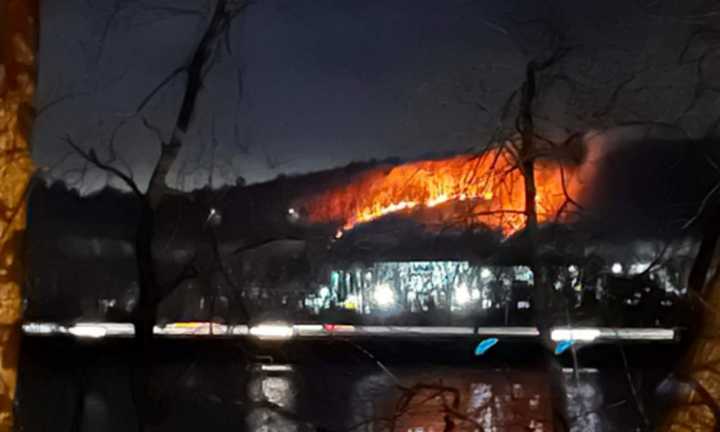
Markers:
<point>306,246</point>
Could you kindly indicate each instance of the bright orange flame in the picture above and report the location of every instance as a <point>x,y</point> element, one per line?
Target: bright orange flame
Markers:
<point>486,189</point>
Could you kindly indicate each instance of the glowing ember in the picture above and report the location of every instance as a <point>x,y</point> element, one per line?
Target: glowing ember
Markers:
<point>464,191</point>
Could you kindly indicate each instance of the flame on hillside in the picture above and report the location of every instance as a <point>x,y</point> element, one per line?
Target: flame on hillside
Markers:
<point>467,190</point>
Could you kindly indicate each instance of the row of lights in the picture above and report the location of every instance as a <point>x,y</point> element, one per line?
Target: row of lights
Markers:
<point>283,331</point>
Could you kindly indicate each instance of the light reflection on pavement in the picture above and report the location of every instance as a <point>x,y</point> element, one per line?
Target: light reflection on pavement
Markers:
<point>205,389</point>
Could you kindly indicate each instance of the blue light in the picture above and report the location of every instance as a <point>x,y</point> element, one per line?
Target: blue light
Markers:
<point>562,346</point>
<point>485,345</point>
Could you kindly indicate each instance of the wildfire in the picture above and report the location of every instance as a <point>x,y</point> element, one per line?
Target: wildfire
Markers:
<point>486,189</point>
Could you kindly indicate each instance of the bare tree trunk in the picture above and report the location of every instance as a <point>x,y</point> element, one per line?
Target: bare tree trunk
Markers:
<point>701,266</point>
<point>698,408</point>
<point>147,304</point>
<point>527,152</point>
<point>151,293</point>
<point>195,71</point>
<point>18,36</point>
<point>151,290</point>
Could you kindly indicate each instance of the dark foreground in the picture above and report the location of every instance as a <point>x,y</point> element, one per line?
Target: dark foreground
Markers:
<point>337,386</point>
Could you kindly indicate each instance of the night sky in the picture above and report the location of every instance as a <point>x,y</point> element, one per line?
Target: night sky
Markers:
<point>327,82</point>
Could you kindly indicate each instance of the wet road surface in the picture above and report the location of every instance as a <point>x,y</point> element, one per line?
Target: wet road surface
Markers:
<point>336,386</point>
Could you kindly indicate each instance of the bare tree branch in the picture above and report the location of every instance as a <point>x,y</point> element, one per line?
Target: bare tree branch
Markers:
<point>92,157</point>
<point>164,82</point>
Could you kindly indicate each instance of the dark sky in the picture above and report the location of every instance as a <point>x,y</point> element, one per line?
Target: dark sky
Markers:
<point>326,82</point>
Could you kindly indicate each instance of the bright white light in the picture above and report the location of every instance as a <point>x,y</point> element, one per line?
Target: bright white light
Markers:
<point>384,295</point>
<point>522,304</point>
<point>578,334</point>
<point>573,269</point>
<point>639,334</point>
<point>580,370</point>
<point>272,331</point>
<point>462,294</point>
<point>616,268</point>
<point>324,292</point>
<point>293,214</point>
<point>276,368</point>
<point>638,268</point>
<point>87,331</point>
<point>485,273</point>
<point>214,217</point>
<point>40,328</point>
<point>438,200</point>
<point>486,303</point>
<point>308,330</point>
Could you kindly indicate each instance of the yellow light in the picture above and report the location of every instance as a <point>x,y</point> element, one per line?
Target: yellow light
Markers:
<point>351,303</point>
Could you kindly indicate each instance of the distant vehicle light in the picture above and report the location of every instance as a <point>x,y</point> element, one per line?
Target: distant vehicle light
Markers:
<point>568,370</point>
<point>41,328</point>
<point>338,328</point>
<point>577,334</point>
<point>92,331</point>
<point>187,324</point>
<point>308,330</point>
<point>272,331</point>
<point>384,295</point>
<point>523,304</point>
<point>276,368</point>
<point>192,328</point>
<point>616,268</point>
